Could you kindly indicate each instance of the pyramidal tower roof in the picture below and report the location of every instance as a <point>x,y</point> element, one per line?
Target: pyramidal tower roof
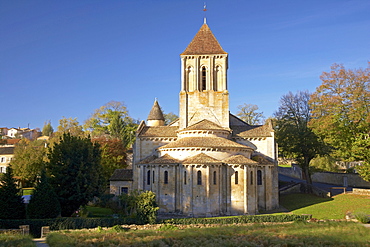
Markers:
<point>204,42</point>
<point>156,112</point>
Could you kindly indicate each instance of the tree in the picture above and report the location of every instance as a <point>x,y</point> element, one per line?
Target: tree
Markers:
<point>113,155</point>
<point>341,111</point>
<point>169,118</point>
<point>44,203</point>
<point>295,139</point>
<point>29,160</point>
<point>11,201</point>
<point>47,130</point>
<point>112,119</point>
<point>248,113</point>
<point>75,172</point>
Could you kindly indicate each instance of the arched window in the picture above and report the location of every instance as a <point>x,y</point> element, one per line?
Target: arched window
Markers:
<point>259,177</point>
<point>190,80</point>
<point>236,175</point>
<point>214,177</point>
<point>184,177</point>
<point>199,178</point>
<point>148,178</point>
<point>203,79</point>
<point>251,177</point>
<point>166,177</point>
<point>153,177</point>
<point>218,80</point>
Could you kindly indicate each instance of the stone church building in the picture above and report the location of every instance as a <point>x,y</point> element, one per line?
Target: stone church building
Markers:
<point>208,162</point>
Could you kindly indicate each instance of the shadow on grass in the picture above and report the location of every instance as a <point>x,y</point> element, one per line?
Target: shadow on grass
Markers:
<point>296,201</point>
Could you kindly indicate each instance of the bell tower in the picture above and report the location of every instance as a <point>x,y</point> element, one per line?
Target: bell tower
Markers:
<point>204,92</point>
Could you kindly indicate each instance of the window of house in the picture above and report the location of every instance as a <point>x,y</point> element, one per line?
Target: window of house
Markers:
<point>2,159</point>
<point>184,177</point>
<point>204,79</point>
<point>251,177</point>
<point>259,177</point>
<point>236,176</point>
<point>199,178</point>
<point>148,178</point>
<point>166,177</point>
<point>124,190</point>
<point>214,177</point>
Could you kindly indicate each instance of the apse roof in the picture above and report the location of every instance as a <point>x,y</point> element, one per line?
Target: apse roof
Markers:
<point>156,112</point>
<point>201,158</point>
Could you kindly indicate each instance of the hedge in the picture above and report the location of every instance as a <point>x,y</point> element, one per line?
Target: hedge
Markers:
<point>239,219</point>
<point>64,223</point>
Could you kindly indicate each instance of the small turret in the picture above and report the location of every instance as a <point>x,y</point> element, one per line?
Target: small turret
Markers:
<point>155,117</point>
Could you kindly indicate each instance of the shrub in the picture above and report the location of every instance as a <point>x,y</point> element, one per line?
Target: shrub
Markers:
<point>362,217</point>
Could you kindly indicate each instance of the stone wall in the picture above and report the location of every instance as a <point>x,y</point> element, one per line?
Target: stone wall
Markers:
<point>340,179</point>
<point>361,191</point>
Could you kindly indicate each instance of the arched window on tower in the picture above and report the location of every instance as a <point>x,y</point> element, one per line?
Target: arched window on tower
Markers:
<point>259,177</point>
<point>165,177</point>
<point>148,178</point>
<point>199,178</point>
<point>218,79</point>
<point>203,82</point>
<point>184,177</point>
<point>214,177</point>
<point>236,176</point>
<point>190,79</point>
<point>252,177</point>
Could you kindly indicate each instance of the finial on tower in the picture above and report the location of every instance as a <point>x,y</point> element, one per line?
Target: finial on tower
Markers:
<point>205,9</point>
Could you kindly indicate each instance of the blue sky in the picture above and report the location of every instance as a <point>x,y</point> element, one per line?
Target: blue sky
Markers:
<point>68,58</point>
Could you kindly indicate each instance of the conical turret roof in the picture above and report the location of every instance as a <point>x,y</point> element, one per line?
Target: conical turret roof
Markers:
<point>156,112</point>
<point>204,42</point>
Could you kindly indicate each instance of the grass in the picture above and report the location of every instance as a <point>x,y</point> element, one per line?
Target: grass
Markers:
<point>15,240</point>
<point>292,234</point>
<point>99,212</point>
<point>27,191</point>
<point>326,208</point>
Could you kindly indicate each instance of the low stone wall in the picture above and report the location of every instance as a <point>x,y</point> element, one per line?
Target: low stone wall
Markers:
<point>340,179</point>
<point>294,171</point>
<point>361,191</point>
<point>296,188</point>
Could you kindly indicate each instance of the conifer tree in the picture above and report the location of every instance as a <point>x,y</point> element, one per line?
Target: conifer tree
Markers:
<point>11,201</point>
<point>44,203</point>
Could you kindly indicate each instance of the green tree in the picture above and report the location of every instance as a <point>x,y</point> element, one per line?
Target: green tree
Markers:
<point>11,201</point>
<point>47,130</point>
<point>362,147</point>
<point>44,203</point>
<point>249,114</point>
<point>29,160</point>
<point>75,172</point>
<point>112,119</point>
<point>324,163</point>
<point>113,155</point>
<point>341,111</point>
<point>295,139</point>
<point>169,118</point>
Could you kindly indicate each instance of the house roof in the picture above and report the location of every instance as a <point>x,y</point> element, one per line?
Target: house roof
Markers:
<point>156,112</point>
<point>201,158</point>
<point>204,142</point>
<point>239,159</point>
<point>205,125</point>
<point>204,42</point>
<point>122,175</point>
<point>148,159</point>
<point>6,150</point>
<point>165,159</point>
<point>159,131</point>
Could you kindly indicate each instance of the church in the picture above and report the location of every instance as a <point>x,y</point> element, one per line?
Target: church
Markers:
<point>208,162</point>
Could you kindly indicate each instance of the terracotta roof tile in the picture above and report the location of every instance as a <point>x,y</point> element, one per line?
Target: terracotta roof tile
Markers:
<point>205,125</point>
<point>239,159</point>
<point>165,159</point>
<point>122,175</point>
<point>206,142</point>
<point>201,158</point>
<point>159,131</point>
<point>204,42</point>
<point>252,131</point>
<point>148,159</point>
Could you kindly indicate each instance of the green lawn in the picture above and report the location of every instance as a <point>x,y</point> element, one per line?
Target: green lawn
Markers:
<point>326,208</point>
<point>27,191</point>
<point>291,234</point>
<point>99,212</point>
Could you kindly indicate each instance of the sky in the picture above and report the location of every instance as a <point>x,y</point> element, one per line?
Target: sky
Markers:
<point>67,58</point>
